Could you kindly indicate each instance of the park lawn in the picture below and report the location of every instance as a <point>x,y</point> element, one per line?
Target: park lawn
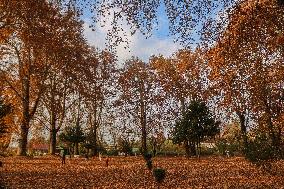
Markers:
<point>130,172</point>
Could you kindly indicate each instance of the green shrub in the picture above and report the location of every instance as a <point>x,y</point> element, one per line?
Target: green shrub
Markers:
<point>222,146</point>
<point>159,174</point>
<point>260,149</point>
<point>147,156</point>
<point>208,151</point>
<point>125,146</point>
<point>149,164</point>
<point>112,153</point>
<point>169,153</point>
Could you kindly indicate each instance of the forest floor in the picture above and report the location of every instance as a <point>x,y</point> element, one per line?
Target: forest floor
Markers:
<point>131,172</point>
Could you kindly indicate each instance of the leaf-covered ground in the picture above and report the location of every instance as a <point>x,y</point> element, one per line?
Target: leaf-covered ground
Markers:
<point>131,172</point>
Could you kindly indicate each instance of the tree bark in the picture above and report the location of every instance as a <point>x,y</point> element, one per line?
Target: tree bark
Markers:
<point>143,118</point>
<point>52,141</point>
<point>241,116</point>
<point>192,148</point>
<point>76,151</point>
<point>144,132</point>
<point>187,149</point>
<point>94,128</point>
<point>95,147</point>
<point>23,141</point>
<point>273,135</point>
<point>53,131</point>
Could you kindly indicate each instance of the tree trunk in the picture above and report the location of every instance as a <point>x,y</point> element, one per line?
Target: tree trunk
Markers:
<point>144,140</point>
<point>187,149</point>
<point>52,134</point>
<point>76,152</point>
<point>274,139</point>
<point>241,116</point>
<point>94,128</point>
<point>77,126</point>
<point>23,141</point>
<point>144,133</point>
<point>154,148</point>
<point>192,148</point>
<point>143,125</point>
<point>95,147</point>
<point>52,141</point>
<point>198,148</point>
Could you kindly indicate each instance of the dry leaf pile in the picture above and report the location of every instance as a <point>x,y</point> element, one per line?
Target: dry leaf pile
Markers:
<point>131,172</point>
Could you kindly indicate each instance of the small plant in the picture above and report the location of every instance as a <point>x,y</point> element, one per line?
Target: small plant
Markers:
<point>149,164</point>
<point>147,156</point>
<point>159,175</point>
<point>148,159</point>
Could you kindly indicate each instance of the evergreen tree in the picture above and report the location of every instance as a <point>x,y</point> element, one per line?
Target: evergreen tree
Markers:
<point>196,124</point>
<point>74,135</point>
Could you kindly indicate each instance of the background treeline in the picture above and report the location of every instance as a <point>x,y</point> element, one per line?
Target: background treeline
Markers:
<point>54,84</point>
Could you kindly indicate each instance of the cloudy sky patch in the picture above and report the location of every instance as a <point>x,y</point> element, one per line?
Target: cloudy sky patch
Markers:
<point>159,43</point>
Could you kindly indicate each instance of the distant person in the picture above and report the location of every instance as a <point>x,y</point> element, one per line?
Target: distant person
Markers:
<point>63,157</point>
<point>227,153</point>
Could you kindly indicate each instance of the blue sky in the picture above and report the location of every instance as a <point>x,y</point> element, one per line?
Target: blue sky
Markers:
<point>160,41</point>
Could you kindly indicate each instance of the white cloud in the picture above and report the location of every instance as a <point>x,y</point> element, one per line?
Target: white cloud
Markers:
<point>139,46</point>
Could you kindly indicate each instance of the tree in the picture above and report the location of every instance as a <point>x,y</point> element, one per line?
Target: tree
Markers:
<point>182,78</point>
<point>185,17</point>
<point>98,91</point>
<point>125,145</point>
<point>25,49</point>
<point>60,84</point>
<point>73,135</point>
<point>195,125</point>
<point>157,141</point>
<point>139,94</point>
<point>27,55</point>
<point>247,66</point>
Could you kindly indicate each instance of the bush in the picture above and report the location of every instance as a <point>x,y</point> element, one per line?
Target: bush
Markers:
<point>260,150</point>
<point>222,146</point>
<point>149,164</point>
<point>169,153</point>
<point>112,153</point>
<point>125,146</point>
<point>147,156</point>
<point>159,174</point>
<point>208,151</point>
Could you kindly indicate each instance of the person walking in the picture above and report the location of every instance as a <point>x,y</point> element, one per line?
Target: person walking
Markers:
<point>63,157</point>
